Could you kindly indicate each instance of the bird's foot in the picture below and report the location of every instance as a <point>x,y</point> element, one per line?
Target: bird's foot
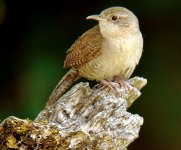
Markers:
<point>122,83</point>
<point>111,86</point>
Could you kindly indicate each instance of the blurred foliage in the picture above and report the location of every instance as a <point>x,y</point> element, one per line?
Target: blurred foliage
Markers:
<point>34,36</point>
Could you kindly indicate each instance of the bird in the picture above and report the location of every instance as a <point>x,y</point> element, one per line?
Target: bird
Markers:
<point>107,53</point>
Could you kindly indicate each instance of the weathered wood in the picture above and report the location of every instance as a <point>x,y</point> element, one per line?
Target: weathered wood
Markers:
<point>83,118</point>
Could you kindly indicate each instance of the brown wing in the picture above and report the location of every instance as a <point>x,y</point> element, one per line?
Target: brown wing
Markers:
<point>85,48</point>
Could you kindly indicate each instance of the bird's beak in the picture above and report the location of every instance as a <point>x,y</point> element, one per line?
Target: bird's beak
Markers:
<point>95,17</point>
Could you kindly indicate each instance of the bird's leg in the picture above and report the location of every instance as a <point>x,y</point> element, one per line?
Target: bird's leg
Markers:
<point>121,82</point>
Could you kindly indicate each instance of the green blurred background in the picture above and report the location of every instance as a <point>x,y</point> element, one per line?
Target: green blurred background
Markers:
<point>34,36</point>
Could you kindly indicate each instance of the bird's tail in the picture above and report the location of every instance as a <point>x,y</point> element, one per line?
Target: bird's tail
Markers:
<point>69,78</point>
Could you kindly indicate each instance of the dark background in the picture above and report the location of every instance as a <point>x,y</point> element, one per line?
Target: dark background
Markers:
<point>34,36</point>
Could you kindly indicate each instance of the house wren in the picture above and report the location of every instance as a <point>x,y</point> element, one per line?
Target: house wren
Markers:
<point>109,51</point>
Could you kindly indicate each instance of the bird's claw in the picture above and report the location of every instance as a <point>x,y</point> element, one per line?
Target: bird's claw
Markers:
<point>111,85</point>
<point>122,83</point>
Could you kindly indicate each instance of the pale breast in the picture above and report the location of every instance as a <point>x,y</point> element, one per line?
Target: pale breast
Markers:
<point>119,58</point>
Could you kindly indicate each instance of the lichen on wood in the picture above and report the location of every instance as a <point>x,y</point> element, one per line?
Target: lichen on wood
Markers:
<point>83,118</point>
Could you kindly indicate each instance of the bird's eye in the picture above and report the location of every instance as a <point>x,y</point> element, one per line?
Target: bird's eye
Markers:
<point>114,18</point>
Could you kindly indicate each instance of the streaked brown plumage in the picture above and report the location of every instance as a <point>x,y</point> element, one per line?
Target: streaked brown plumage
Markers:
<point>85,48</point>
<point>108,51</point>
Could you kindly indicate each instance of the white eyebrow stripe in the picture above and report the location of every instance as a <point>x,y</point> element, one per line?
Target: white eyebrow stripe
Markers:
<point>123,15</point>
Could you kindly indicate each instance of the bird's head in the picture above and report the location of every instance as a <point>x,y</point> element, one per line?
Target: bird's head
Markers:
<point>116,22</point>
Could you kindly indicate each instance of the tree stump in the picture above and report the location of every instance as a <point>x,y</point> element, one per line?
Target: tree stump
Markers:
<point>83,118</point>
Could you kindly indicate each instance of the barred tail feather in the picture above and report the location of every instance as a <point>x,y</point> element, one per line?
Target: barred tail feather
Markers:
<point>69,78</point>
